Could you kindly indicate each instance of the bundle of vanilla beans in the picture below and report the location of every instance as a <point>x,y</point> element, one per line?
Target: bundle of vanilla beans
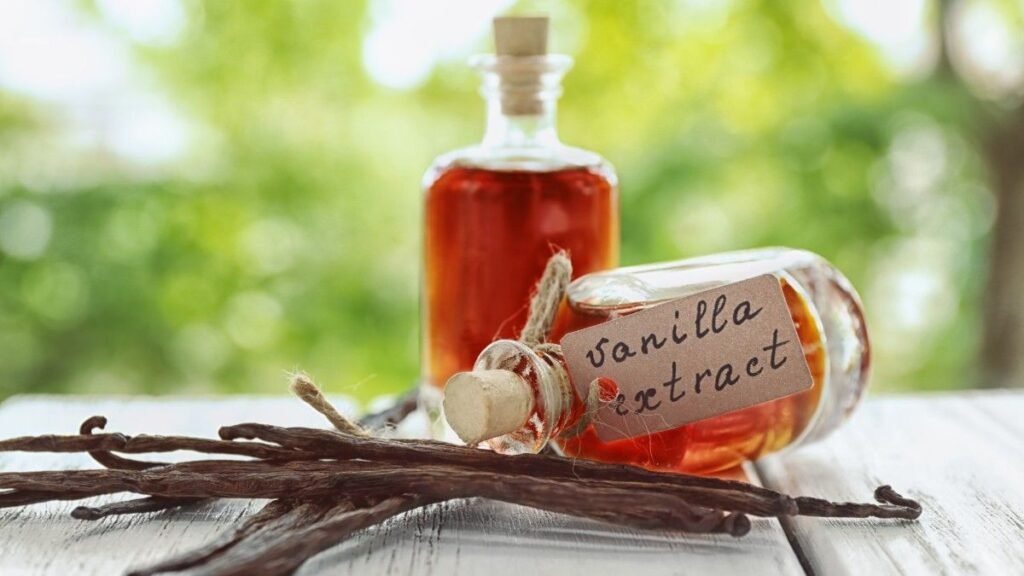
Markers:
<point>328,484</point>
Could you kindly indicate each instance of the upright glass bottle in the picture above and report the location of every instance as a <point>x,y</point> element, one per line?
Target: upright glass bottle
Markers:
<point>495,212</point>
<point>519,400</point>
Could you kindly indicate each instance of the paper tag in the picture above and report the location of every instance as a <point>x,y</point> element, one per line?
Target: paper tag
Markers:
<point>689,359</point>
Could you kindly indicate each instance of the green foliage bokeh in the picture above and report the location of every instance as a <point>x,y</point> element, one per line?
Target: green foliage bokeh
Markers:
<point>288,236</point>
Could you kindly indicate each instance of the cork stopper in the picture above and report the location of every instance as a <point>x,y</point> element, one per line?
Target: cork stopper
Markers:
<point>485,404</point>
<point>521,35</point>
<point>521,72</point>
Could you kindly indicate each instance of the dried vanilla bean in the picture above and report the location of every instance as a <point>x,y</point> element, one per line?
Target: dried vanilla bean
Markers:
<point>106,458</point>
<point>134,506</point>
<point>253,524</point>
<point>294,547</point>
<point>893,505</point>
<point>146,444</point>
<point>886,494</point>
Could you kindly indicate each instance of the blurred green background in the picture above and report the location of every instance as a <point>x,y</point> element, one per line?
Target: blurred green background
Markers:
<point>199,196</point>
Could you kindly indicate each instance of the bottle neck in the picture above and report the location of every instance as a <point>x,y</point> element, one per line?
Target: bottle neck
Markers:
<point>522,95</point>
<point>555,406</point>
<point>536,130</point>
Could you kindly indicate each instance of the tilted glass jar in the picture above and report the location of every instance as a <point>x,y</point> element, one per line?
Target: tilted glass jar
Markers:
<point>826,314</point>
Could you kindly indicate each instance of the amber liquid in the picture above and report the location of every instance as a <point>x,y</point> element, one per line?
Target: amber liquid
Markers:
<point>488,235</point>
<point>723,441</point>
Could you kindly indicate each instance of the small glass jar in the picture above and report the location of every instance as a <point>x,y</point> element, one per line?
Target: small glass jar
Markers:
<point>826,314</point>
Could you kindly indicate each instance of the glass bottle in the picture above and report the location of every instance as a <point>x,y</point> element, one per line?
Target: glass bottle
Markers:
<point>495,212</point>
<point>829,322</point>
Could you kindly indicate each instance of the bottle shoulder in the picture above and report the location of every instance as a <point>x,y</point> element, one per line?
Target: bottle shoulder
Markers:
<point>520,159</point>
<point>634,287</point>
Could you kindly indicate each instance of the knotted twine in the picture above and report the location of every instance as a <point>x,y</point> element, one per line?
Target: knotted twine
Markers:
<point>546,299</point>
<point>544,304</point>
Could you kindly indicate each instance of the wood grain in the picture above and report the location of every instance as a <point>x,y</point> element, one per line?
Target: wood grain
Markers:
<point>961,455</point>
<point>465,537</point>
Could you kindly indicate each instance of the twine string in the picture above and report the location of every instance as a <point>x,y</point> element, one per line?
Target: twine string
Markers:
<point>307,391</point>
<point>544,305</point>
<point>546,300</point>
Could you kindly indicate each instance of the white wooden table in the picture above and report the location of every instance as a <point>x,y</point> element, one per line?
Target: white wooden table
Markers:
<point>961,455</point>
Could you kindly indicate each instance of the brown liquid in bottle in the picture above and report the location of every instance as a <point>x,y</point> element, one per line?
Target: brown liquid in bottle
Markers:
<point>488,235</point>
<point>720,442</point>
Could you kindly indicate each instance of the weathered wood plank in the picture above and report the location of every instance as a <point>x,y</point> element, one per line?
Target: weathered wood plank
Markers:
<point>471,537</point>
<point>961,455</point>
